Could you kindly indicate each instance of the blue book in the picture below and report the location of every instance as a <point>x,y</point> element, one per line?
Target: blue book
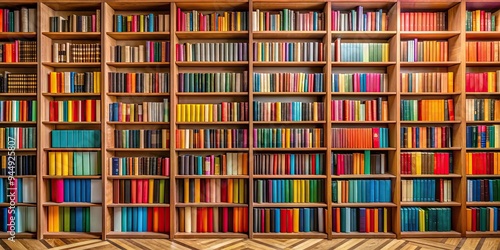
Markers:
<point>301,220</point>
<point>275,190</point>
<point>307,221</point>
<point>199,170</point>
<point>134,219</point>
<point>72,190</point>
<point>119,23</point>
<point>151,22</point>
<point>78,190</point>
<point>277,220</point>
<point>89,187</point>
<point>292,164</point>
<point>129,219</point>
<point>372,191</point>
<point>124,218</point>
<point>78,219</point>
<point>348,220</point>
<point>115,166</point>
<point>66,190</point>
<point>2,192</point>
<point>495,219</point>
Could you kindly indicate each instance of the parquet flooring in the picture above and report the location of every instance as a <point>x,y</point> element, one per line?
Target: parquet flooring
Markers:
<point>260,244</point>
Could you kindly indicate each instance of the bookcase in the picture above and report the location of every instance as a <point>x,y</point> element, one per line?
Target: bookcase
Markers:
<point>400,98</point>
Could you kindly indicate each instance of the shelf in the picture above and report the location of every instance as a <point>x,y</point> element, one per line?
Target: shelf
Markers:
<point>483,122</point>
<point>138,149</point>
<point>75,123</point>
<point>482,94</point>
<point>71,94</point>
<point>288,34</point>
<point>71,177</point>
<point>289,122</point>
<point>430,176</point>
<point>479,35</point>
<point>478,234</point>
<point>20,204</point>
<point>17,35</point>
<point>211,149</point>
<point>289,149</point>
<point>139,94</point>
<point>18,150</point>
<point>212,64</point>
<point>72,65</point>
<point>304,235</point>
<point>289,64</point>
<point>137,64</point>
<point>71,204</point>
<point>429,122</point>
<point>363,93</point>
<point>288,176</point>
<point>17,64</point>
<point>16,123</point>
<point>139,35</point>
<point>483,176</point>
<point>211,176</point>
<point>211,204</point>
<point>72,149</point>
<point>433,234</point>
<point>382,35</point>
<point>482,203</point>
<point>73,35</point>
<point>210,235</point>
<point>435,35</point>
<point>138,123</point>
<point>71,235</point>
<point>211,34</point>
<point>371,204</point>
<point>429,64</point>
<point>135,177</point>
<point>483,149</point>
<point>212,123</point>
<point>289,93</point>
<point>363,122</point>
<point>23,235</point>
<point>197,94</point>
<point>482,64</point>
<point>430,204</point>
<point>289,205</point>
<point>139,205</point>
<point>362,64</point>
<point>430,94</point>
<point>432,149</point>
<point>141,235</point>
<point>18,94</point>
<point>364,176</point>
<point>363,149</point>
<point>18,176</point>
<point>363,235</point>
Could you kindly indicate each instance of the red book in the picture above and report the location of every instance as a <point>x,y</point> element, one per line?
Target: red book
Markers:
<point>210,224</point>
<point>225,219</point>
<point>161,218</point>
<point>133,191</point>
<point>223,188</point>
<point>145,192</point>
<point>283,215</point>
<point>150,219</point>
<point>139,190</point>
<point>289,220</point>
<point>167,219</point>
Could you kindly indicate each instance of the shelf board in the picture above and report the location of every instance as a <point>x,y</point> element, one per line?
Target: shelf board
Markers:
<point>363,235</point>
<point>430,176</point>
<point>482,94</point>
<point>370,204</point>
<point>363,149</point>
<point>482,64</point>
<point>483,149</point>
<point>363,122</point>
<point>479,234</point>
<point>71,177</point>
<point>429,122</point>
<point>289,205</point>
<point>23,235</point>
<point>138,205</point>
<point>137,64</point>
<point>482,35</point>
<point>363,93</point>
<point>211,34</point>
<point>138,123</point>
<point>72,65</point>
<point>18,94</point>
<point>18,176</point>
<point>139,35</point>
<point>437,35</point>
<point>212,64</point>
<point>138,149</point>
<point>19,150</point>
<point>289,64</point>
<point>483,176</point>
<point>139,94</point>
<point>429,94</point>
<point>363,176</point>
<point>16,123</point>
<point>289,93</point>
<point>228,235</point>
<point>432,149</point>
<point>429,64</point>
<point>289,122</point>
<point>362,64</point>
<point>483,122</point>
<point>71,204</point>
<point>289,149</point>
<point>211,204</point>
<point>18,64</point>
<point>72,149</point>
<point>141,235</point>
<point>383,35</point>
<point>17,35</point>
<point>288,176</point>
<point>211,94</point>
<point>482,203</point>
<point>430,204</point>
<point>71,94</point>
<point>73,35</point>
<point>135,177</point>
<point>304,235</point>
<point>71,235</point>
<point>211,149</point>
<point>212,123</point>
<point>71,123</point>
<point>288,34</point>
<point>211,176</point>
<point>20,204</point>
<point>432,234</point>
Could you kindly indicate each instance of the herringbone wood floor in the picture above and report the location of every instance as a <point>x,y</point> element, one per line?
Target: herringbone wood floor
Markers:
<point>206,244</point>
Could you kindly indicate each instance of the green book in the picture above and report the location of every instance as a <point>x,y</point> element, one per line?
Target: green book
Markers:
<point>86,163</point>
<point>334,192</point>
<point>367,162</point>
<point>162,191</point>
<point>66,219</point>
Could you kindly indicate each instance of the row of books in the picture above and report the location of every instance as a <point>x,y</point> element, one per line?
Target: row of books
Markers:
<point>150,52</point>
<point>212,219</point>
<point>218,21</point>
<point>483,190</point>
<point>436,82</point>
<point>287,20</point>
<point>288,82</point>
<point>424,51</point>
<point>482,163</point>
<point>75,111</point>
<point>480,20</point>
<point>288,220</point>
<point>482,136</point>
<point>482,81</point>
<point>75,190</point>
<point>423,163</point>
<point>211,52</point>
<point>361,191</point>
<point>141,219</point>
<point>289,164</point>
<point>360,82</point>
<point>224,164</point>
<point>22,190</point>
<point>288,191</point>
<point>213,82</point>
<point>482,219</point>
<point>142,138</point>
<point>288,138</point>
<point>216,112</point>
<point>18,51</point>
<point>362,220</point>
<point>138,82</point>
<point>18,20</point>
<point>423,21</point>
<point>75,138</point>
<point>74,82</point>
<point>211,138</point>
<point>359,52</point>
<point>23,165</point>
<point>288,52</point>
<point>139,166</point>
<point>74,219</point>
<point>76,23</point>
<point>74,163</point>
<point>429,219</point>
<point>141,191</point>
<point>18,82</point>
<point>426,190</point>
<point>427,110</point>
<point>139,112</point>
<point>482,110</point>
<point>288,111</point>
<point>359,110</point>
<point>76,52</point>
<point>18,111</point>
<point>358,163</point>
<point>426,137</point>
<point>141,23</point>
<point>482,51</point>
<point>24,219</point>
<point>375,137</point>
<point>359,20</point>
<point>212,190</point>
<point>18,138</point>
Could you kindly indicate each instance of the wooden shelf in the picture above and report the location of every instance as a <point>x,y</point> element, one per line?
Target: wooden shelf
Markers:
<point>137,64</point>
<point>429,64</point>
<point>71,177</point>
<point>72,149</point>
<point>289,205</point>
<point>482,64</point>
<point>364,176</point>
<point>210,235</point>
<point>363,235</point>
<point>289,64</point>
<point>288,34</point>
<point>483,149</point>
<point>429,122</point>
<point>17,94</point>
<point>363,93</point>
<point>136,177</point>
<point>72,65</point>
<point>362,64</point>
<point>198,94</point>
<point>178,176</point>
<point>212,123</point>
<point>73,35</point>
<point>211,34</point>
<point>482,176</point>
<point>139,35</point>
<point>71,123</point>
<point>363,122</point>
<point>430,204</point>
<point>479,234</point>
<point>16,123</point>
<point>479,35</point>
<point>20,204</point>
<point>23,235</point>
<point>17,35</point>
<point>431,94</point>
<point>139,205</point>
<point>72,94</point>
<point>71,235</point>
<point>304,235</point>
<point>289,122</point>
<point>71,204</point>
<point>141,235</point>
<point>468,94</point>
<point>363,149</point>
<point>18,64</point>
<point>289,149</point>
<point>289,93</point>
<point>432,149</point>
<point>371,204</point>
<point>432,234</point>
<point>138,149</point>
<point>382,35</point>
<point>431,176</point>
<point>211,204</point>
<point>19,150</point>
<point>483,122</point>
<point>288,176</point>
<point>19,176</point>
<point>212,64</point>
<point>211,149</point>
<point>138,94</point>
<point>482,203</point>
<point>138,123</point>
<point>436,35</point>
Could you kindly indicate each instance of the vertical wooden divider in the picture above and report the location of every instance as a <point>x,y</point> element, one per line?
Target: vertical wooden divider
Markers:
<point>250,121</point>
<point>173,101</point>
<point>327,71</point>
<point>41,217</point>
<point>394,85</point>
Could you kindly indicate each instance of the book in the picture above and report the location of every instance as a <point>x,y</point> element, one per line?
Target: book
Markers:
<point>288,191</point>
<point>424,51</point>
<point>223,164</point>
<point>420,163</point>
<point>288,138</point>
<point>75,190</point>
<point>74,163</point>
<point>74,219</point>
<point>361,191</point>
<point>482,110</point>
<point>288,52</point>
<point>358,19</point>
<point>359,82</point>
<point>376,137</point>
<point>75,111</point>
<point>18,138</point>
<point>288,220</point>
<point>139,112</point>
<point>362,220</point>
<point>21,190</point>
<point>212,112</point>
<point>423,21</point>
<point>212,219</point>
<point>481,20</point>
<point>211,138</point>
<point>11,82</point>
<point>212,191</point>
<point>141,219</point>
<point>75,138</point>
<point>426,137</point>
<point>359,52</point>
<point>482,51</point>
<point>482,219</point>
<point>427,110</point>
<point>121,82</point>
<point>288,111</point>
<point>133,191</point>
<point>76,23</point>
<point>426,190</point>
<point>23,217</point>
<point>74,82</point>
<point>76,52</point>
<point>425,82</point>
<point>20,19</point>
<point>359,110</point>
<point>289,164</point>
<point>211,52</point>
<point>287,20</point>
<point>18,51</point>
<point>482,81</point>
<point>483,136</point>
<point>195,20</point>
<point>213,82</point>
<point>22,165</point>
<point>18,110</point>
<point>482,163</point>
<point>152,51</point>
<point>151,22</point>
<point>288,82</point>
<point>428,219</point>
<point>142,138</point>
<point>358,163</point>
<point>483,190</point>
<point>139,166</point>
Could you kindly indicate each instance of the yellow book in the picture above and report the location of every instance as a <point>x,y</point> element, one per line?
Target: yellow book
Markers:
<point>278,112</point>
<point>198,117</point>
<point>53,82</point>
<point>242,191</point>
<point>419,163</point>
<point>59,163</point>
<point>55,216</point>
<point>385,220</point>
<point>307,198</point>
<point>70,166</point>
<point>303,191</point>
<point>236,191</point>
<point>193,112</point>
<point>210,113</point>
<point>410,144</point>
<point>151,190</point>
<point>70,111</point>
<point>51,219</point>
<point>197,189</point>
<point>296,220</point>
<point>450,82</point>
<point>295,191</point>
<point>52,163</point>
<point>65,163</point>
<point>230,190</point>
<point>179,113</point>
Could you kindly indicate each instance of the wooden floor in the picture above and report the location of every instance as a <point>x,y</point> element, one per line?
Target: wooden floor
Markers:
<point>206,244</point>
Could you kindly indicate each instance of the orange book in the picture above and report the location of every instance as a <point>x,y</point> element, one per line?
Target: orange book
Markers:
<point>133,184</point>
<point>155,219</point>
<point>230,190</point>
<point>204,215</point>
<point>376,222</point>
<point>469,219</point>
<point>236,220</point>
<point>368,220</point>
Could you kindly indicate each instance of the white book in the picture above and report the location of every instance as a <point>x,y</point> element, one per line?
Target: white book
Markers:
<point>187,219</point>
<point>194,219</point>
<point>95,191</point>
<point>321,220</point>
<point>20,216</point>
<point>94,163</point>
<point>117,221</point>
<point>96,219</point>
<point>235,163</point>
<point>229,164</point>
